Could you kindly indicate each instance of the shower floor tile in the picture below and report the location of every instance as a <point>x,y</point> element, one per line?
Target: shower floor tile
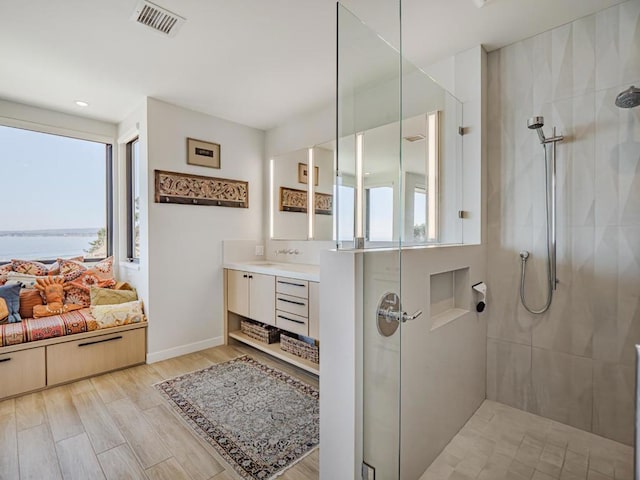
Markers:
<point>503,443</point>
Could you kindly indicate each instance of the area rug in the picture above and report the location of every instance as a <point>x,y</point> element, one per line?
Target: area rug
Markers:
<point>261,420</point>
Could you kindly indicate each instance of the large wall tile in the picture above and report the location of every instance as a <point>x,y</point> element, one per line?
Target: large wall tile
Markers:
<point>613,409</point>
<point>505,319</point>
<point>582,168</point>
<point>562,61</point>
<point>568,325</point>
<point>563,387</point>
<point>584,55</point>
<point>607,51</point>
<point>629,165</point>
<point>629,41</point>
<point>606,158</point>
<point>509,374</point>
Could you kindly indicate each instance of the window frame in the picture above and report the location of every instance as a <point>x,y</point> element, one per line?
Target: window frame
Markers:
<point>88,137</point>
<point>130,179</point>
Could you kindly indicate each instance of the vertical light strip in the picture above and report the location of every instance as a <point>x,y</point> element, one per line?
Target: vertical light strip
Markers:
<point>311,193</point>
<point>433,160</point>
<point>359,185</point>
<point>271,198</point>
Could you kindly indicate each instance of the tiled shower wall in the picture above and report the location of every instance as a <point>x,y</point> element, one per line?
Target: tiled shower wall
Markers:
<point>575,363</point>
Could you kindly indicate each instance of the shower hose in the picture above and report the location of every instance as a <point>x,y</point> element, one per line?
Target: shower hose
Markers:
<point>524,256</point>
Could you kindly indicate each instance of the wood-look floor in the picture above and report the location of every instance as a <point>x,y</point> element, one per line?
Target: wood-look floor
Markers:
<point>116,426</point>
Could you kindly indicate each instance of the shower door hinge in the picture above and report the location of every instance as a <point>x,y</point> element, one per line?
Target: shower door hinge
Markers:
<point>462,130</point>
<point>368,472</point>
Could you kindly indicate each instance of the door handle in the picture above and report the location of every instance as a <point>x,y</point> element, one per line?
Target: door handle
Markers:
<point>389,314</point>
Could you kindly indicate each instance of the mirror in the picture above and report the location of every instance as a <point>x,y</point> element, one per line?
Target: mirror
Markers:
<point>399,162</point>
<point>295,190</point>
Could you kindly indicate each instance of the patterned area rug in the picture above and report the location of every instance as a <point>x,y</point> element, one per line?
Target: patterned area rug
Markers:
<point>261,420</point>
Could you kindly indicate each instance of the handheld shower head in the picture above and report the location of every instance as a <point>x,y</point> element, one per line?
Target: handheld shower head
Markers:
<point>629,98</point>
<point>536,123</point>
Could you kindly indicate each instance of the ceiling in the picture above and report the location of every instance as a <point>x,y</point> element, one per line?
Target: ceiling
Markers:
<point>255,62</point>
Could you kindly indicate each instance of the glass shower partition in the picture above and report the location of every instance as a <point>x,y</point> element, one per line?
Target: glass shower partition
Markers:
<point>398,186</point>
<point>369,177</point>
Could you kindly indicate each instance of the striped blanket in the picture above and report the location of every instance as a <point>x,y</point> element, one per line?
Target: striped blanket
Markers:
<point>32,329</point>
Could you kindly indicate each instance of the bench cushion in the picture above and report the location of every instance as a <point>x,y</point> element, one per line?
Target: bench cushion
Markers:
<point>33,329</point>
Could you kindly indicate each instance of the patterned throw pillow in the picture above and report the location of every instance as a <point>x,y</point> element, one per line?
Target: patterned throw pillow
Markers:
<point>30,267</point>
<point>109,296</point>
<point>4,269</point>
<point>23,279</point>
<point>79,279</point>
<point>54,268</point>
<point>119,314</point>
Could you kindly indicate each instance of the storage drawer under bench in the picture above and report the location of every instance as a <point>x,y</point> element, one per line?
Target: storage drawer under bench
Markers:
<point>22,371</point>
<point>93,355</point>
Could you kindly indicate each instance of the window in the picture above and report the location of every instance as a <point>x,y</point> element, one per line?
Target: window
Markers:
<point>379,214</point>
<point>419,214</point>
<point>56,196</point>
<point>133,201</point>
<point>346,209</point>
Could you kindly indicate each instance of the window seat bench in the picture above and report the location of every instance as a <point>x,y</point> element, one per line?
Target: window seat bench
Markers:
<point>40,353</point>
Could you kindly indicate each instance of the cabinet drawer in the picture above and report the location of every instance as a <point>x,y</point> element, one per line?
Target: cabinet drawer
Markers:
<point>292,323</point>
<point>90,356</point>
<point>291,304</point>
<point>22,371</point>
<point>292,286</point>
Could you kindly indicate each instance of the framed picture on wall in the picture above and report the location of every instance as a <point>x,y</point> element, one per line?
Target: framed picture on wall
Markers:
<point>303,174</point>
<point>204,154</point>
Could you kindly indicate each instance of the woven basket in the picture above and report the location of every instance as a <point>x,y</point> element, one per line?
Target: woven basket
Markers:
<point>300,349</point>
<point>262,333</point>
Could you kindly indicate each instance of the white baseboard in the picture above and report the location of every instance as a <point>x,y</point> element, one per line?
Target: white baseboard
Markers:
<point>153,357</point>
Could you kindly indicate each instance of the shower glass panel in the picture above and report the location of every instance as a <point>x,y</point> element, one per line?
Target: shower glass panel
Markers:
<point>368,159</point>
<point>399,184</point>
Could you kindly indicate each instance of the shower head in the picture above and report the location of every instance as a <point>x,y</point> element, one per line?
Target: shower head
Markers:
<point>629,98</point>
<point>536,123</point>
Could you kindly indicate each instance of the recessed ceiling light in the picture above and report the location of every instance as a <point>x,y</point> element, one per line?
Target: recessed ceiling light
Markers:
<point>80,103</point>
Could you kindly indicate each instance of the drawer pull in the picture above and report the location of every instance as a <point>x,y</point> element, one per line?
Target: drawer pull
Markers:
<point>291,283</point>
<point>291,301</point>
<point>5,359</point>
<point>291,319</point>
<point>100,341</point>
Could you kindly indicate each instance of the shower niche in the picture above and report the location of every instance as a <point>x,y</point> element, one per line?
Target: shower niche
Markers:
<point>450,295</point>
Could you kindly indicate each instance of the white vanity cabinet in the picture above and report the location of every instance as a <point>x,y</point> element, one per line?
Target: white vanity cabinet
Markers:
<point>251,295</point>
<point>286,299</point>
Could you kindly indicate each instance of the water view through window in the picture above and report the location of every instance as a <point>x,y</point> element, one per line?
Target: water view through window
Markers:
<point>55,196</point>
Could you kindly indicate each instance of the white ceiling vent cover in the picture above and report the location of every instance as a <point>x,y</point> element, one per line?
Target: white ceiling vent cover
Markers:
<point>157,18</point>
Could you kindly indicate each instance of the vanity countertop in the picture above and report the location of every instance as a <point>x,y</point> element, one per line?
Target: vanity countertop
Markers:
<point>300,271</point>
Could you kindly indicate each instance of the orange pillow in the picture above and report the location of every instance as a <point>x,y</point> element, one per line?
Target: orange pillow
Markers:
<point>4,311</point>
<point>29,267</point>
<point>54,268</point>
<point>79,278</point>
<point>29,298</point>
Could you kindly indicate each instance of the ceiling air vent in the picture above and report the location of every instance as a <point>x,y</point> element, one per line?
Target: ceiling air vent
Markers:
<point>157,18</point>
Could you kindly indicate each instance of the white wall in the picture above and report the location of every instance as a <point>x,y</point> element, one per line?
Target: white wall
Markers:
<point>185,241</point>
